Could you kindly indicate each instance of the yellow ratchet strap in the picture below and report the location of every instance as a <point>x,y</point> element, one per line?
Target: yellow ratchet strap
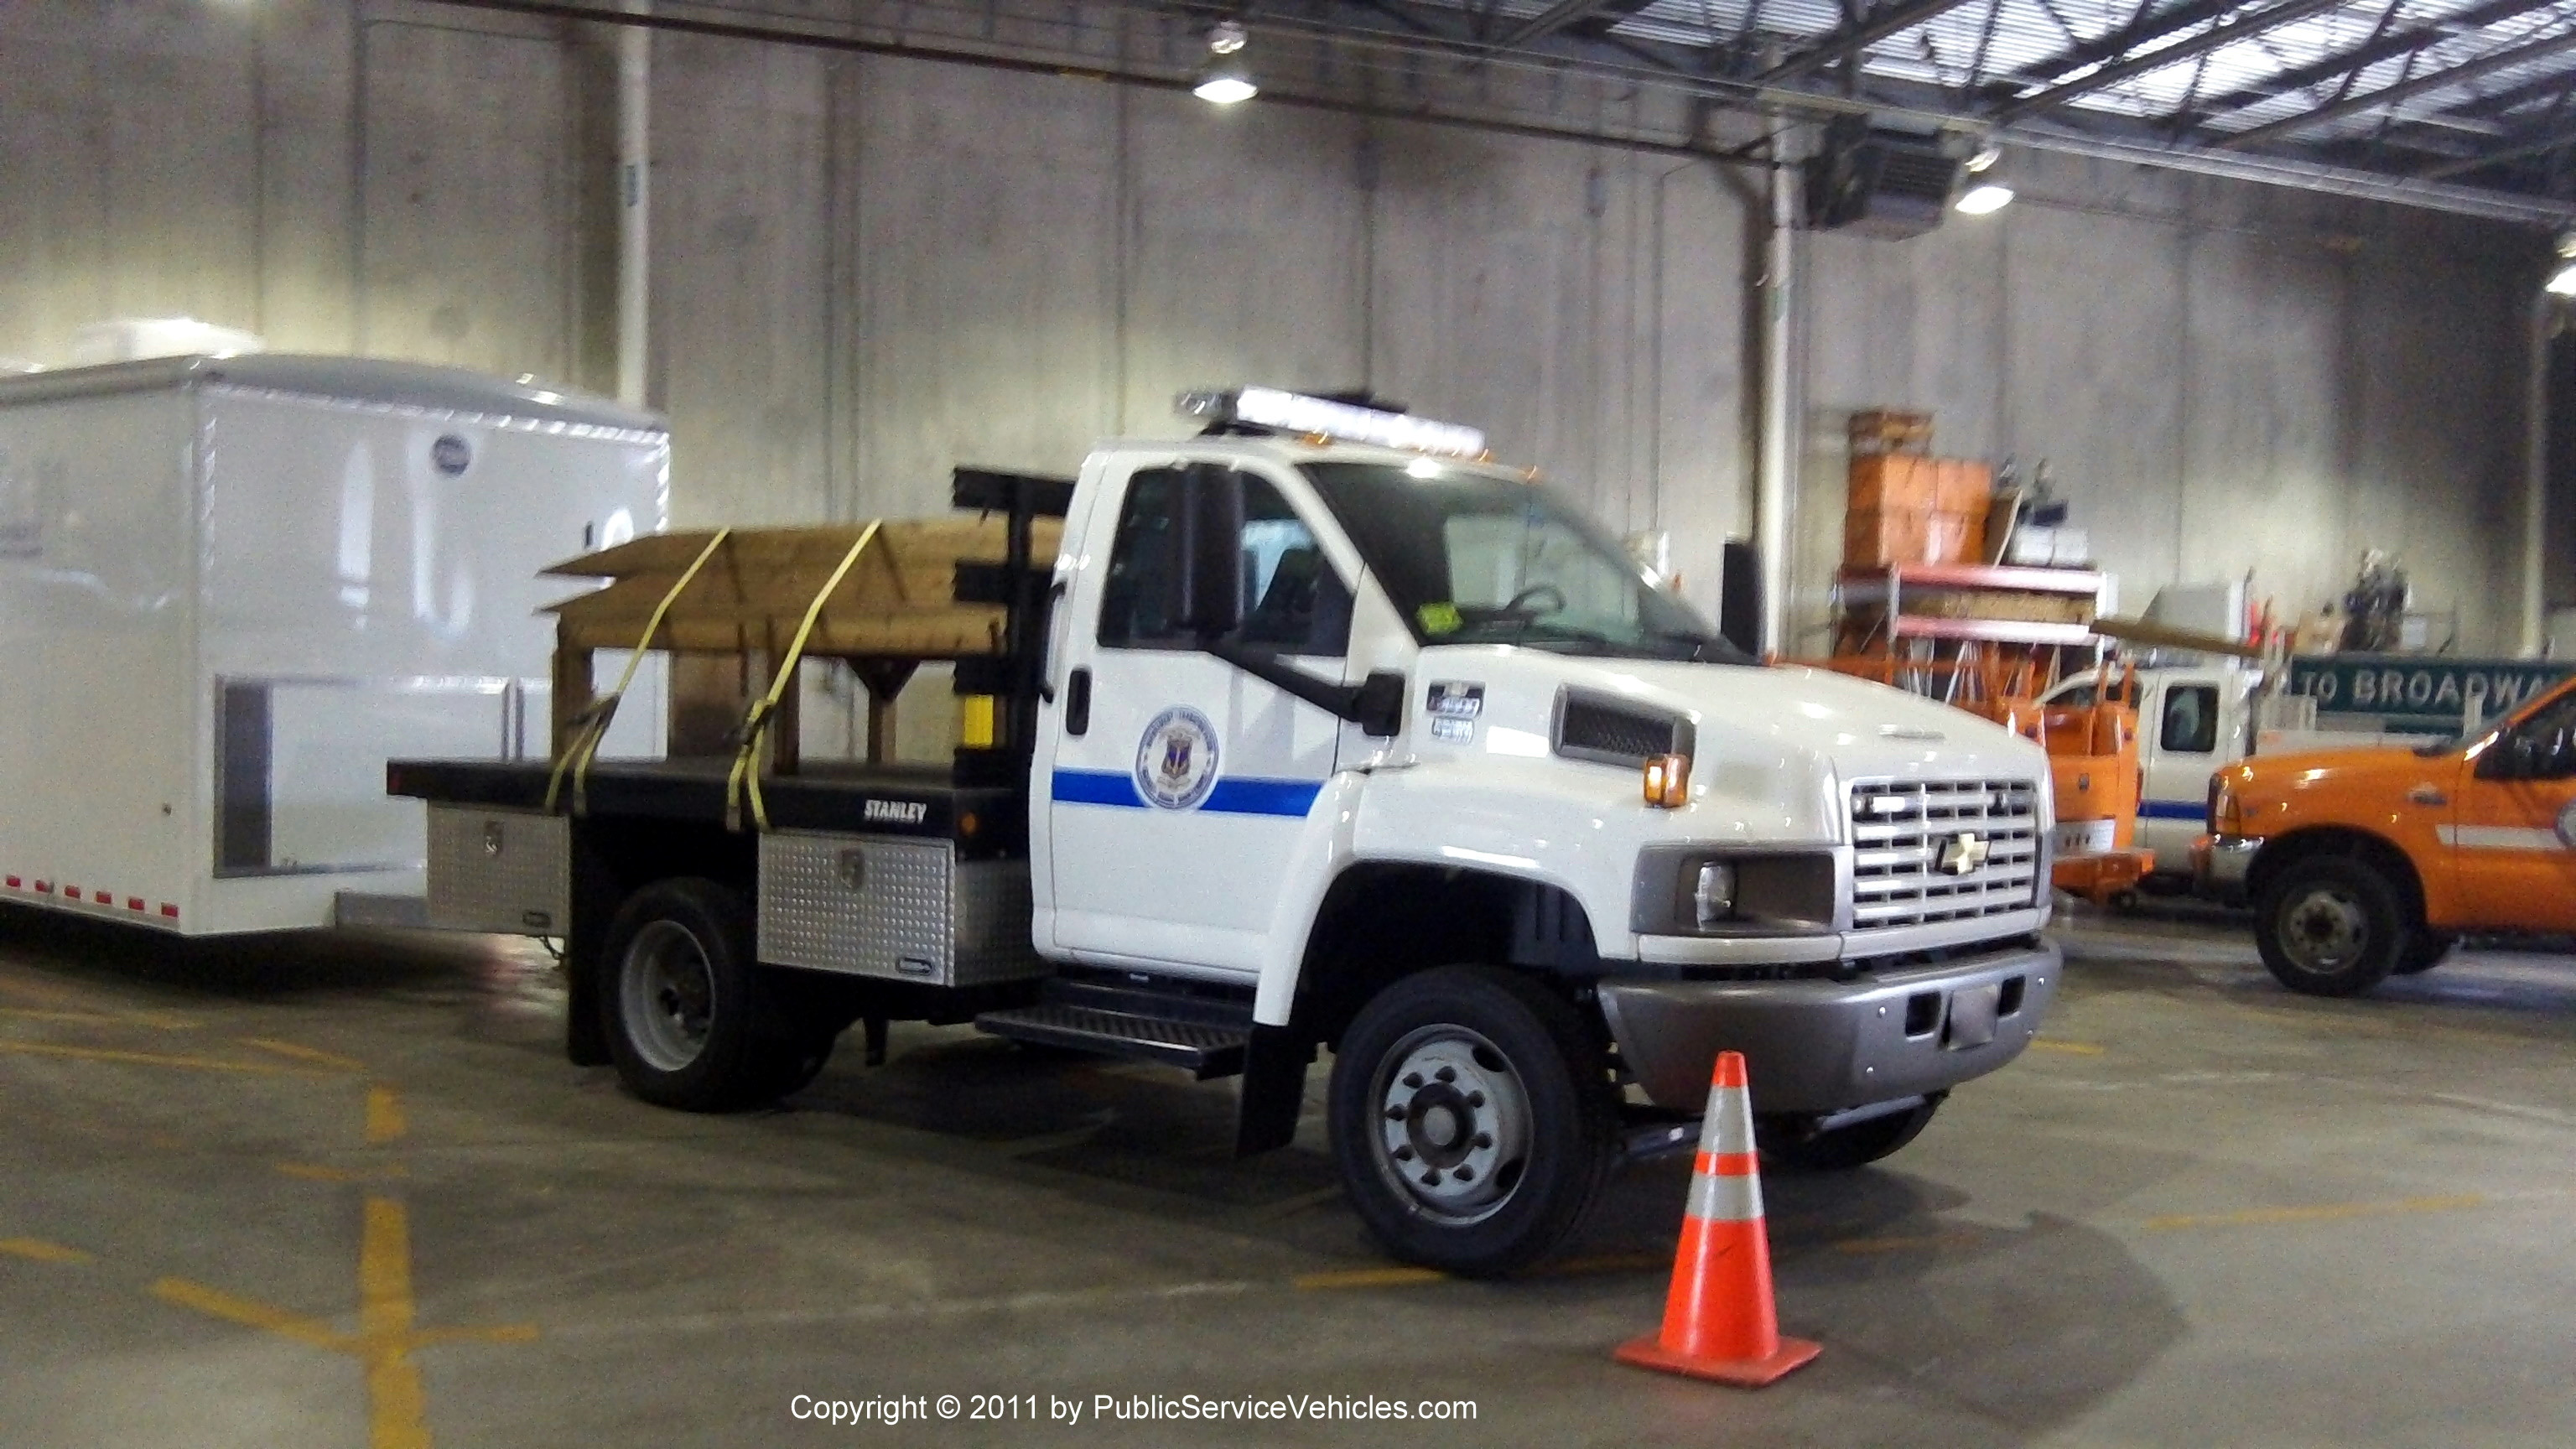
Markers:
<point>591,726</point>
<point>755,723</point>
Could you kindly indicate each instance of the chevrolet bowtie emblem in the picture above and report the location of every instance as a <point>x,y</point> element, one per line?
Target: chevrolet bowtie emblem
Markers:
<point>1962,853</point>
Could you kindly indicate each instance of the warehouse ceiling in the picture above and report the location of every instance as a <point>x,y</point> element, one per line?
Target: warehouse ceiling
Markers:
<point>2479,90</point>
<point>2462,105</point>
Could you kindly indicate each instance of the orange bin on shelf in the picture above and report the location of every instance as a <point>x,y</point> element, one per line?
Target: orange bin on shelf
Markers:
<point>1907,509</point>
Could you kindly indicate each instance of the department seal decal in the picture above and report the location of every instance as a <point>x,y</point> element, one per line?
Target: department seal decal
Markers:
<point>1176,761</point>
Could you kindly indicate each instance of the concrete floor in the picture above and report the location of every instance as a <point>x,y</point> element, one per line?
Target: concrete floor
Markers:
<point>342,1192</point>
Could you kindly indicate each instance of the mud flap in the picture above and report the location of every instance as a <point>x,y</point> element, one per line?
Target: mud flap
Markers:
<point>1274,1089</point>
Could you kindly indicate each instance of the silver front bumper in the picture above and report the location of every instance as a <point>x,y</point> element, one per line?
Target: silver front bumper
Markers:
<point>2220,863</point>
<point>1826,1046</point>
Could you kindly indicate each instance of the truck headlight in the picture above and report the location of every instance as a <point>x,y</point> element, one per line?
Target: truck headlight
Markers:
<point>1686,890</point>
<point>1713,892</point>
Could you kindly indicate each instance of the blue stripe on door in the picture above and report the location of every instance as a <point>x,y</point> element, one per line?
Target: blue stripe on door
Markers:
<point>1095,787</point>
<point>2173,809</point>
<point>1263,797</point>
<point>1230,797</point>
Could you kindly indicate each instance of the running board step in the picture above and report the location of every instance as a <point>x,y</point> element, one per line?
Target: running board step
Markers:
<point>1202,1049</point>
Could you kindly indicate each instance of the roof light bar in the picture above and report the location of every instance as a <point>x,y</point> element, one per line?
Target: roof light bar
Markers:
<point>1268,407</point>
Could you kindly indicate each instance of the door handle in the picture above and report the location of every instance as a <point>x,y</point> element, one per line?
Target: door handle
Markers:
<point>2427,795</point>
<point>1046,665</point>
<point>1077,702</point>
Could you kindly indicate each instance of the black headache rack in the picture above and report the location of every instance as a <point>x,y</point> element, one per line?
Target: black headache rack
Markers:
<point>979,802</point>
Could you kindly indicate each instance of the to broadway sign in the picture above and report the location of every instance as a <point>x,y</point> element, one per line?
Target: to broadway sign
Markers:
<point>2417,694</point>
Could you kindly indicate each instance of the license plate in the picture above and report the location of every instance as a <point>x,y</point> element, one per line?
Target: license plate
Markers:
<point>1973,1012</point>
<point>2084,837</point>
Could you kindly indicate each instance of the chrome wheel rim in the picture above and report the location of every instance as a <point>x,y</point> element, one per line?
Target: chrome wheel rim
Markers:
<point>2324,930</point>
<point>667,995</point>
<point>1453,1124</point>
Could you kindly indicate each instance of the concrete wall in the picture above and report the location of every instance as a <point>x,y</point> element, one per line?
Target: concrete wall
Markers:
<point>2222,380</point>
<point>867,270</point>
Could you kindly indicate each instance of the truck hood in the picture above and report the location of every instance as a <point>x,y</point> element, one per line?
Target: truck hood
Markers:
<point>1775,746</point>
<point>2331,784</point>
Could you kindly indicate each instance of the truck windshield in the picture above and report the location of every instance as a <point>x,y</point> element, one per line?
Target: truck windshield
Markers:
<point>1471,557</point>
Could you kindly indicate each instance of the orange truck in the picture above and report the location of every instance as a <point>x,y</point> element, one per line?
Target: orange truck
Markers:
<point>2360,863</point>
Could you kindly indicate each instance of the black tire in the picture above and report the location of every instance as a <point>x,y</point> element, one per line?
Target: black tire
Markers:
<point>1786,1146</point>
<point>1498,1093</point>
<point>683,1004</point>
<point>2426,949</point>
<point>2331,925</point>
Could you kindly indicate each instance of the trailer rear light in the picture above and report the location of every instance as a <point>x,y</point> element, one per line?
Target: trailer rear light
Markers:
<point>169,911</point>
<point>134,903</point>
<point>44,887</point>
<point>1668,781</point>
<point>13,884</point>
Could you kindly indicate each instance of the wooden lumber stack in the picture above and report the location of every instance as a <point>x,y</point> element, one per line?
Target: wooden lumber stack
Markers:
<point>896,608</point>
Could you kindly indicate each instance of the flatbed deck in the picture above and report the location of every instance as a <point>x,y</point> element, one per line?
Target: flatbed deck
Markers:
<point>984,821</point>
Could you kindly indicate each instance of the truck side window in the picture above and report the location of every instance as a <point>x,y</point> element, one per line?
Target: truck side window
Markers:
<point>1292,600</point>
<point>2552,734</point>
<point>2191,719</point>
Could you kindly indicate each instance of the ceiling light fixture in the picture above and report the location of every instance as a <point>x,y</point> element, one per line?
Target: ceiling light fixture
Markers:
<point>1986,194</point>
<point>1226,80</point>
<point>2562,281</point>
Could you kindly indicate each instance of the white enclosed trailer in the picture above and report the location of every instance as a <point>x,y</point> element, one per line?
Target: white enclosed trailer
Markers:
<point>231,588</point>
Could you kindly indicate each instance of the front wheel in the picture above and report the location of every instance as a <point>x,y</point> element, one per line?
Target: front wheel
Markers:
<point>2331,925</point>
<point>1472,1119</point>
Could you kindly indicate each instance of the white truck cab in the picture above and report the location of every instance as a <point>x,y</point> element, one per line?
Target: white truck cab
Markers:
<point>2192,719</point>
<point>1348,741</point>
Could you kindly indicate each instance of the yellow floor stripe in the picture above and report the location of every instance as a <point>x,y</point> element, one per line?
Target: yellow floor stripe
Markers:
<point>315,1055</point>
<point>384,1115</point>
<point>1909,1244</point>
<point>214,1302</point>
<point>396,1415</point>
<point>41,1251</point>
<point>1367,1278</point>
<point>150,1059</point>
<point>502,1333</point>
<point>2324,1212</point>
<point>316,1172</point>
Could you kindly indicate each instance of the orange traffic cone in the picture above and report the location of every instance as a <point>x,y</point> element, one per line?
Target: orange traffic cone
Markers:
<point>1718,1319</point>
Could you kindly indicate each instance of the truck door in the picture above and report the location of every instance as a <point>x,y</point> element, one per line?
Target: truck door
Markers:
<point>1178,785</point>
<point>2182,726</point>
<point>2514,848</point>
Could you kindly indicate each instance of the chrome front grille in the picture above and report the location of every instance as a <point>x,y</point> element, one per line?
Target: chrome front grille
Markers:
<point>1910,839</point>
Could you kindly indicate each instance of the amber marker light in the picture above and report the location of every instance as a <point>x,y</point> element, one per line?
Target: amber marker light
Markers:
<point>1668,781</point>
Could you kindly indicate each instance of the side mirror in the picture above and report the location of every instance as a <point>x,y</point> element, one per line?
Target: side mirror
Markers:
<point>1208,582</point>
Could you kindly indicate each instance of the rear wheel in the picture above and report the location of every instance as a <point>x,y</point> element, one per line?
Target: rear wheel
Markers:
<point>1843,1148</point>
<point>687,1014</point>
<point>2331,925</point>
<point>1472,1119</point>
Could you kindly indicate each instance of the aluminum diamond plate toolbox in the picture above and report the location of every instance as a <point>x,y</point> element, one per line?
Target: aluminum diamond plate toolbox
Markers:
<point>499,870</point>
<point>888,906</point>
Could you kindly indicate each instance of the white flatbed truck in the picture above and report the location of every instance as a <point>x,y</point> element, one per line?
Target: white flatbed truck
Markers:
<point>1320,733</point>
